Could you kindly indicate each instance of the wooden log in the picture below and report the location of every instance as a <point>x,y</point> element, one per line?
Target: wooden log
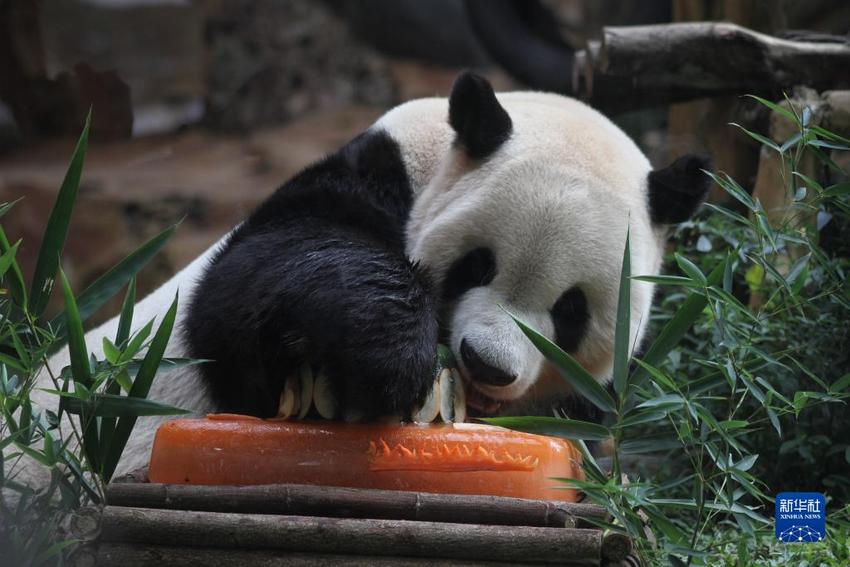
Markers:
<point>403,538</point>
<point>134,476</point>
<point>142,555</point>
<point>338,502</point>
<point>615,547</point>
<point>640,66</point>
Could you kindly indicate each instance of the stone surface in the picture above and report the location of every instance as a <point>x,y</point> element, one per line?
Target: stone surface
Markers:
<point>271,60</point>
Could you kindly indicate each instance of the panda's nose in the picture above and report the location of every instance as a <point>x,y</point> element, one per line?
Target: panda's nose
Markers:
<point>480,371</point>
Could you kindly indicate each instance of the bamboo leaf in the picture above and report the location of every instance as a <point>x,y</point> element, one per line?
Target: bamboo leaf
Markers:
<point>774,420</point>
<point>733,302</point>
<point>140,389</point>
<point>784,112</point>
<point>32,453</point>
<point>12,362</point>
<point>573,372</point>
<point>828,145</point>
<point>98,293</point>
<point>137,342</point>
<point>746,463</point>
<point>829,135</point>
<point>660,378</point>
<point>8,258</point>
<point>758,137</point>
<point>841,384</point>
<point>641,418</point>
<point>690,269</point>
<point>80,369</point>
<point>809,181</point>
<point>666,280</point>
<point>678,325</point>
<point>76,336</point>
<point>837,190</point>
<point>20,349</point>
<point>622,345</point>
<point>110,405</point>
<point>125,321</point>
<point>734,189</point>
<point>6,207</point>
<point>110,351</point>
<point>666,401</point>
<point>589,464</point>
<point>165,365</point>
<point>25,420</point>
<point>53,240</point>
<point>77,471</point>
<point>553,427</point>
<point>787,144</point>
<point>16,283</point>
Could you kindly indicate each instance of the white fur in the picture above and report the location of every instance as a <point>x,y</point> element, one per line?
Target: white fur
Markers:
<point>553,204</point>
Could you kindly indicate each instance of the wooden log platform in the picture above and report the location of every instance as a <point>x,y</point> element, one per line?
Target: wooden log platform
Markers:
<point>340,502</point>
<point>282,525</point>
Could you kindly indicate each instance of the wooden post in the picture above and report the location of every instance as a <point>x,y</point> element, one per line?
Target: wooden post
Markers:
<point>703,125</point>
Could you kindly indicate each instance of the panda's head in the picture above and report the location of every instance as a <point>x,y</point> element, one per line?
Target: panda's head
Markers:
<point>528,214</point>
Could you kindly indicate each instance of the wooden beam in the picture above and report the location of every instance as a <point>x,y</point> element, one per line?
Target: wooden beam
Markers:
<point>179,528</point>
<point>142,555</point>
<point>639,66</point>
<point>294,499</point>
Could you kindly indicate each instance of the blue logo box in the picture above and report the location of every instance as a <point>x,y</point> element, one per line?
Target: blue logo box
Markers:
<point>800,517</point>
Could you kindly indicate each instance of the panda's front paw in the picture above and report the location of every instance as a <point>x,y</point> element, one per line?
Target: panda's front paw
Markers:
<point>397,396</point>
<point>395,385</point>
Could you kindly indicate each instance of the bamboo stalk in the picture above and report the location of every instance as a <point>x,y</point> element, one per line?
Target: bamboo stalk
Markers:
<point>305,500</point>
<point>142,555</point>
<point>351,536</point>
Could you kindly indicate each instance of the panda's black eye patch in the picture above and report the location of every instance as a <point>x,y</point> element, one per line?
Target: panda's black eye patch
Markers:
<point>475,268</point>
<point>570,315</point>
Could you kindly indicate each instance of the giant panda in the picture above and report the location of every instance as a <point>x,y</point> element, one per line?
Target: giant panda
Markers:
<point>430,226</point>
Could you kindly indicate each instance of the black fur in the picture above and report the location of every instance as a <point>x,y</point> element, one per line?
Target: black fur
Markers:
<point>481,124</point>
<point>318,273</point>
<point>473,269</point>
<point>678,190</point>
<point>571,317</point>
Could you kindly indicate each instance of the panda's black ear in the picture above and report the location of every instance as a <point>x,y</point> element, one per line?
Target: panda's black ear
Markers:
<point>481,124</point>
<point>678,190</point>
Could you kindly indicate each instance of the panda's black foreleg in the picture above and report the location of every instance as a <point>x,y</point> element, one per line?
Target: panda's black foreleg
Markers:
<point>319,291</point>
